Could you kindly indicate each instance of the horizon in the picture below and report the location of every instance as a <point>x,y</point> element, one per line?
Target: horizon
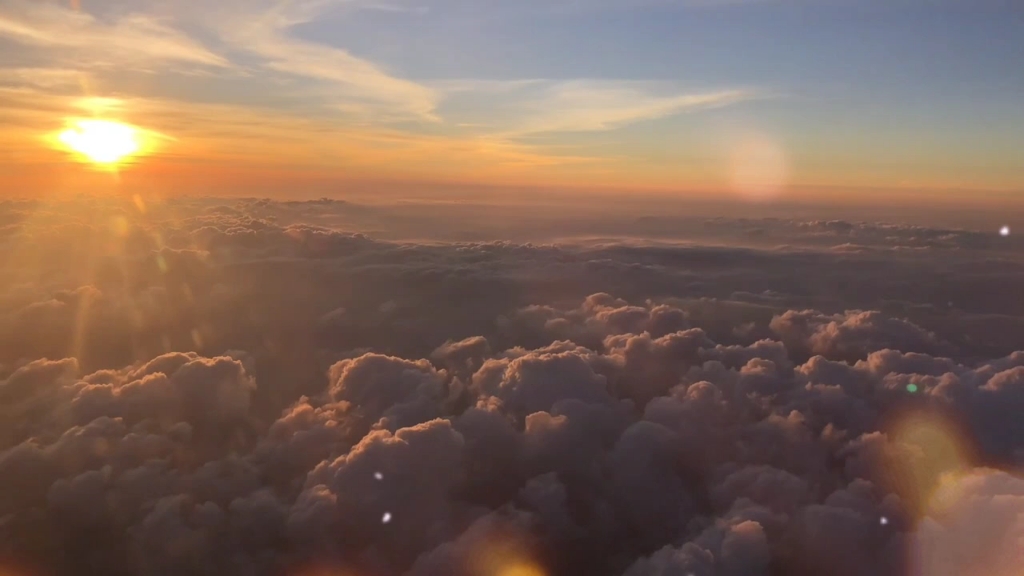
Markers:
<point>752,100</point>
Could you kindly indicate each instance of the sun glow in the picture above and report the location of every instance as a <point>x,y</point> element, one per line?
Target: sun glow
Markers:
<point>101,141</point>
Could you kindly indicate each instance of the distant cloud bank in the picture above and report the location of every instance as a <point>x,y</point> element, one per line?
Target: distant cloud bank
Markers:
<point>256,387</point>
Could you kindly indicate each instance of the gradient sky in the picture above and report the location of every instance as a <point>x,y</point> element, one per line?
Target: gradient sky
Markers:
<point>719,96</point>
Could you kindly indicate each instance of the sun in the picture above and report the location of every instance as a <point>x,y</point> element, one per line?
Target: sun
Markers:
<point>101,141</point>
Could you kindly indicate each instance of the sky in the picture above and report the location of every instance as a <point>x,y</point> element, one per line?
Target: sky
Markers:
<point>754,99</point>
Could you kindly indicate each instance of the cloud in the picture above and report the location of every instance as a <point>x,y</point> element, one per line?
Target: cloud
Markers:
<point>531,107</point>
<point>853,334</point>
<point>455,86</point>
<point>132,39</point>
<point>50,78</point>
<point>495,9</point>
<point>980,530</point>
<point>252,138</point>
<point>249,386</point>
<point>351,83</point>
<point>586,106</point>
<point>288,104</point>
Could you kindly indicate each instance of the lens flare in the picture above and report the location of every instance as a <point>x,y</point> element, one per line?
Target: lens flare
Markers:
<point>974,526</point>
<point>101,141</point>
<point>501,551</point>
<point>520,569</point>
<point>759,169</point>
<point>925,449</point>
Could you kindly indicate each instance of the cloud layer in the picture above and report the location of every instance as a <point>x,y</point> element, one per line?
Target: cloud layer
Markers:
<point>234,388</point>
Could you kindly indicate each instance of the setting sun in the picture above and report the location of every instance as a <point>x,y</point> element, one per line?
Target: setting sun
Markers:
<point>101,141</point>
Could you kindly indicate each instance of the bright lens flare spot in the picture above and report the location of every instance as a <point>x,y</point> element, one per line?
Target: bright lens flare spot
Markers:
<point>101,141</point>
<point>925,448</point>
<point>521,570</point>
<point>759,169</point>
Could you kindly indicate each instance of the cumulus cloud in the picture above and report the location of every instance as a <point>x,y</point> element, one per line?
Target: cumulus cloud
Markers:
<point>256,394</point>
<point>851,335</point>
<point>979,530</point>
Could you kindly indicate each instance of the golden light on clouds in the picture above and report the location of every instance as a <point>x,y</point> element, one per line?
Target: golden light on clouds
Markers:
<point>499,549</point>
<point>101,141</point>
<point>521,569</point>
<point>967,520</point>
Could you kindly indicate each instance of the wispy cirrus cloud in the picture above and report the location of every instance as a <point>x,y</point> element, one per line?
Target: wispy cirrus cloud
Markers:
<point>534,107</point>
<point>589,106</point>
<point>502,9</point>
<point>277,94</point>
<point>49,78</point>
<point>200,135</point>
<point>254,37</point>
<point>131,39</point>
<point>353,83</point>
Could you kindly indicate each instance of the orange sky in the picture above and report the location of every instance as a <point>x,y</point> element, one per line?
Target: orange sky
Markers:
<point>260,97</point>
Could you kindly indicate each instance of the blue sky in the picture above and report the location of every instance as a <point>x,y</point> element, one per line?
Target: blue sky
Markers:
<point>658,93</point>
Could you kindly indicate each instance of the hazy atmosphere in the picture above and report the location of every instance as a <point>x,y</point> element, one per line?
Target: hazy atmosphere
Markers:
<point>452,288</point>
<point>749,98</point>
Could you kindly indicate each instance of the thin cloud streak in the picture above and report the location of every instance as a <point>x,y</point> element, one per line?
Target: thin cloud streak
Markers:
<point>532,107</point>
<point>354,83</point>
<point>131,39</point>
<point>349,114</point>
<point>588,107</point>
<point>49,78</point>
<point>213,138</point>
